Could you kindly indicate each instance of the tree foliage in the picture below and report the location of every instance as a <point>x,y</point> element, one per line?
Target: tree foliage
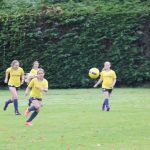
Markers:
<point>68,41</point>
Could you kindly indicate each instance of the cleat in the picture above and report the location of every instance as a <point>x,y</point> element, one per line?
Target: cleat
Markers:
<point>28,124</point>
<point>26,113</point>
<point>17,113</point>
<point>108,109</point>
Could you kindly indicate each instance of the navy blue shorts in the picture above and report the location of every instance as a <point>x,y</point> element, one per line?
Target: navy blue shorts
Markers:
<point>107,90</point>
<point>34,98</point>
<point>17,88</point>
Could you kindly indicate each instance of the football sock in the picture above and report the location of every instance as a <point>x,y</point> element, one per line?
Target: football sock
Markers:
<point>7,103</point>
<point>33,115</point>
<point>107,103</point>
<point>103,106</point>
<point>16,105</point>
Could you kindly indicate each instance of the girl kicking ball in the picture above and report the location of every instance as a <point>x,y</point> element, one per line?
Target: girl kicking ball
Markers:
<point>108,79</point>
<point>37,86</point>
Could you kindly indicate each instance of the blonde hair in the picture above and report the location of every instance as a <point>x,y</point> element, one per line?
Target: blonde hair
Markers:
<point>35,63</point>
<point>40,69</point>
<point>107,62</point>
<point>14,62</point>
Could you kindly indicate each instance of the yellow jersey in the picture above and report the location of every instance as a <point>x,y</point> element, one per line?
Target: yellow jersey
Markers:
<point>33,72</point>
<point>108,78</point>
<point>35,84</point>
<point>15,76</point>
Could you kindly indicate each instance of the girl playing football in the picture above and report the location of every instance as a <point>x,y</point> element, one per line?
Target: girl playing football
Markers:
<point>37,86</point>
<point>14,77</point>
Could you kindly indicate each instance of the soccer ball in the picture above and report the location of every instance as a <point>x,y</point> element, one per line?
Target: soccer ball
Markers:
<point>94,73</point>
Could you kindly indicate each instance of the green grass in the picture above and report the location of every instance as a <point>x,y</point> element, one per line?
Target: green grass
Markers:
<point>72,119</point>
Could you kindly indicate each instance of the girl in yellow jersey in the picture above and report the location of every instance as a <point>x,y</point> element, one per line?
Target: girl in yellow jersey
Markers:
<point>108,79</point>
<point>14,77</point>
<point>33,72</point>
<point>38,86</point>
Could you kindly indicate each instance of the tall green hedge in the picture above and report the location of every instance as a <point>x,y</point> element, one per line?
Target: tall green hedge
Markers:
<point>67,46</point>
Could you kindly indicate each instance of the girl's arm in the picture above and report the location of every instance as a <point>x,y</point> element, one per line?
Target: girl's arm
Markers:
<point>114,82</point>
<point>43,89</point>
<point>6,77</point>
<point>98,82</point>
<point>22,79</point>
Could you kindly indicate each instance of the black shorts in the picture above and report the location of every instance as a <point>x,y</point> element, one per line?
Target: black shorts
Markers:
<point>17,88</point>
<point>34,98</point>
<point>107,90</point>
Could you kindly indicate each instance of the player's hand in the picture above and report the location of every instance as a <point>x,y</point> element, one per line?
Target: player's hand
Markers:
<point>111,87</point>
<point>34,76</point>
<point>22,82</point>
<point>41,89</point>
<point>95,86</point>
<point>26,80</point>
<point>5,81</point>
<point>26,94</point>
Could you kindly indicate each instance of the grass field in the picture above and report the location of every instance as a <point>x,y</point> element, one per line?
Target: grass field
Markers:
<point>72,119</point>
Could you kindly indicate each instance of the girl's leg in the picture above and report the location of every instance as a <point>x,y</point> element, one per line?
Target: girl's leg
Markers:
<point>106,102</point>
<point>15,99</point>
<point>7,103</point>
<point>36,108</point>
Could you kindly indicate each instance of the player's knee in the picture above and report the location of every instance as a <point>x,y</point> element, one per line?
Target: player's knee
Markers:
<point>15,97</point>
<point>38,110</point>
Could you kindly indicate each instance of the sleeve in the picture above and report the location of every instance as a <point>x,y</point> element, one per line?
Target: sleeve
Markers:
<point>46,84</point>
<point>22,72</point>
<point>114,75</point>
<point>31,84</point>
<point>32,71</point>
<point>8,70</point>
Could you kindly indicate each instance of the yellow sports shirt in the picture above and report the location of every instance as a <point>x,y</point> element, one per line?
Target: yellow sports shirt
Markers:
<point>35,84</point>
<point>33,72</point>
<point>14,76</point>
<point>108,78</point>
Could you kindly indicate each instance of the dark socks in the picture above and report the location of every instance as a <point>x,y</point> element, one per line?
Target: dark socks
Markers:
<point>7,103</point>
<point>103,106</point>
<point>33,115</point>
<point>105,103</point>
<point>16,105</point>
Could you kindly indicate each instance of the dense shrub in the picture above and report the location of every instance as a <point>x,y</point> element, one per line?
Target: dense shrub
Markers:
<point>68,44</point>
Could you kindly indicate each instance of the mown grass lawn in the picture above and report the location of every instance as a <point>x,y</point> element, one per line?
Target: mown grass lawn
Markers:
<point>71,119</point>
